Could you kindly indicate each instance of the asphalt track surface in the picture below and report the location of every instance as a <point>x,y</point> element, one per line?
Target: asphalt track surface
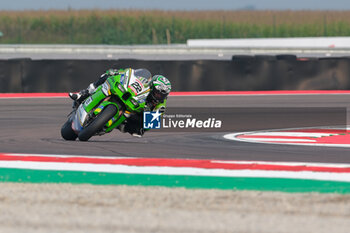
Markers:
<point>33,126</point>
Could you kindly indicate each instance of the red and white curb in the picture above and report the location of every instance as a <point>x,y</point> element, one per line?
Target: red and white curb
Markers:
<point>322,136</point>
<point>184,167</point>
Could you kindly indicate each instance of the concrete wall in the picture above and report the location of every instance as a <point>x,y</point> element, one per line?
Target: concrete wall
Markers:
<point>283,72</point>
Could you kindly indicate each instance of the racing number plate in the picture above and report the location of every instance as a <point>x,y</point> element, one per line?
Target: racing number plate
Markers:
<point>88,101</point>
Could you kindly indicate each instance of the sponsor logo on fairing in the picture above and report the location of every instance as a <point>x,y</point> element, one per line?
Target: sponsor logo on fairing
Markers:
<point>122,79</point>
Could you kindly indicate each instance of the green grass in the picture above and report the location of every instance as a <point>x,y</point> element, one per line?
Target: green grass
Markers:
<point>139,27</point>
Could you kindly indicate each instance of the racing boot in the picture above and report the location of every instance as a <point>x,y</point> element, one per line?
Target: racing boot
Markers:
<point>81,95</point>
<point>128,127</point>
<point>139,133</point>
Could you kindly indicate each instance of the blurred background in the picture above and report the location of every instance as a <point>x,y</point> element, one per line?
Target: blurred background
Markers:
<point>220,45</point>
<point>167,22</point>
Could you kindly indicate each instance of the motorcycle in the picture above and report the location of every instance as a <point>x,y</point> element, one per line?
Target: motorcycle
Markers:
<point>107,108</point>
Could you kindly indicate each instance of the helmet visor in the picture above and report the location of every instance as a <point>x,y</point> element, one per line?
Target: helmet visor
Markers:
<point>159,95</point>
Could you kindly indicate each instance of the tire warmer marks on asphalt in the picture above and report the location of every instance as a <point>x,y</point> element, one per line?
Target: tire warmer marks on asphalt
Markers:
<point>327,136</point>
<point>188,173</point>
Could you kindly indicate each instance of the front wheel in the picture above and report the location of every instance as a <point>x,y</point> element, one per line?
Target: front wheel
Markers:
<point>98,123</point>
<point>67,132</point>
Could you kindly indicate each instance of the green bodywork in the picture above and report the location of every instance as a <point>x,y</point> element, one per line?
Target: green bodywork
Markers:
<point>116,87</point>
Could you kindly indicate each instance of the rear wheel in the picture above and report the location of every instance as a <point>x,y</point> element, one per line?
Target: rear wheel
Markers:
<point>97,124</point>
<point>67,132</point>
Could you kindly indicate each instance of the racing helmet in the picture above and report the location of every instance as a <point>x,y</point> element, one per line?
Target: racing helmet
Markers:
<point>160,88</point>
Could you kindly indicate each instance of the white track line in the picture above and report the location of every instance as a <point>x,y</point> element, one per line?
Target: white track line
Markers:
<point>234,137</point>
<point>277,140</point>
<point>306,164</point>
<point>290,134</point>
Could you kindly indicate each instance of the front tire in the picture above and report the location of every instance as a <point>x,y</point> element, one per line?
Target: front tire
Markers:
<point>67,132</point>
<point>98,123</point>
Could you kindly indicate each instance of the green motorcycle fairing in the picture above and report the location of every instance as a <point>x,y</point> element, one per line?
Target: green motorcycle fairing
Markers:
<point>124,90</point>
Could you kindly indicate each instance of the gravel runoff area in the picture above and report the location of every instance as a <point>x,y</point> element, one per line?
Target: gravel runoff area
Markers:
<point>88,208</point>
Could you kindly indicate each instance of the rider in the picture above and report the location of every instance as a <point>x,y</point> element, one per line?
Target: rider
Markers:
<point>159,86</point>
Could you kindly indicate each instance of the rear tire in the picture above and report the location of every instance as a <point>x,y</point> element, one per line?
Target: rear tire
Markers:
<point>98,123</point>
<point>67,132</point>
